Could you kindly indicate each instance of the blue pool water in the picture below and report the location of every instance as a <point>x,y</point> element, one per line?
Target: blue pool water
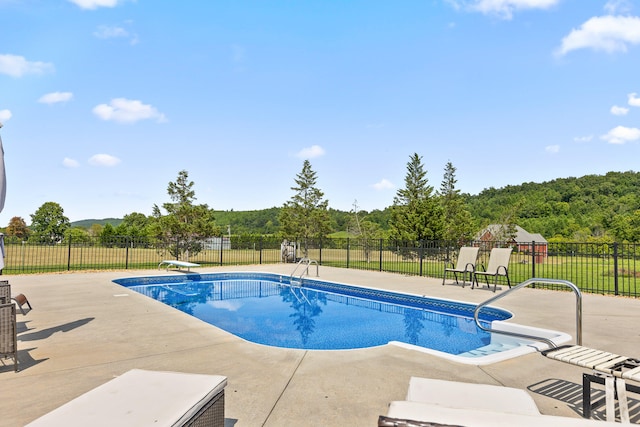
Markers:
<point>265,309</point>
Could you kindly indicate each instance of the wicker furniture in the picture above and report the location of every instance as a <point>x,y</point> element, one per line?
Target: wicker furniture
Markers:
<point>141,398</point>
<point>5,292</point>
<point>8,334</point>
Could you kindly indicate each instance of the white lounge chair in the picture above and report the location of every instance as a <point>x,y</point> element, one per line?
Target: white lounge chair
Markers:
<point>498,266</point>
<point>145,398</point>
<point>433,402</point>
<point>466,264</point>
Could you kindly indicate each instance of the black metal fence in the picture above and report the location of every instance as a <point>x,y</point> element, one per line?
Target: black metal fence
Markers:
<point>603,268</point>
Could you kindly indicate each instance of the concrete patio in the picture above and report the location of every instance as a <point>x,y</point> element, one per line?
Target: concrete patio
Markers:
<point>85,330</point>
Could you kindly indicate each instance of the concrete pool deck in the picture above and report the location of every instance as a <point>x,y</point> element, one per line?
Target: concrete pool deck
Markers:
<point>84,330</point>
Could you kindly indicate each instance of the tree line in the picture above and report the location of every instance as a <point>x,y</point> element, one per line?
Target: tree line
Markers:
<point>589,208</point>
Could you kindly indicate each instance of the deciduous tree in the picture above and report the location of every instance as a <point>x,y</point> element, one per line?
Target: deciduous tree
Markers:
<point>17,228</point>
<point>49,224</point>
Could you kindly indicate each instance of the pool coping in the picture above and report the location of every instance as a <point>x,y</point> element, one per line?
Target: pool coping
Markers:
<point>523,346</point>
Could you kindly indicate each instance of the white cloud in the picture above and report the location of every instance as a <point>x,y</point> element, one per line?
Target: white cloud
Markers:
<point>18,66</point>
<point>104,160</point>
<point>583,138</point>
<point>94,4</point>
<point>621,135</point>
<point>5,115</point>
<point>606,33</point>
<point>311,152</point>
<point>552,149</point>
<point>70,163</point>
<point>383,184</point>
<point>113,32</point>
<point>124,110</point>
<point>634,101</point>
<point>617,6</point>
<point>55,97</point>
<point>107,32</point>
<point>501,8</point>
<point>619,111</point>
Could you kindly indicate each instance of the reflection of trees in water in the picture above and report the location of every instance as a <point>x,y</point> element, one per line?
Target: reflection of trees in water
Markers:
<point>183,296</point>
<point>306,306</point>
<point>412,325</point>
<point>448,328</point>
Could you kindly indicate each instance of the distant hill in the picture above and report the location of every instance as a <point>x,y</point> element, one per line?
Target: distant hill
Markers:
<point>87,223</point>
<point>574,208</point>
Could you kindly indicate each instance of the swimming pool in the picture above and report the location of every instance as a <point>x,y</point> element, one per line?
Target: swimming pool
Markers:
<point>264,308</point>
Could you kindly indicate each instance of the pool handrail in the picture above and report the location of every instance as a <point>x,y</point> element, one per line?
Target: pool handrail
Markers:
<point>308,262</point>
<point>526,283</point>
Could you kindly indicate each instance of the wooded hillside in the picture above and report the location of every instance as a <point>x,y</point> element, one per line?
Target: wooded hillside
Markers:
<point>585,208</point>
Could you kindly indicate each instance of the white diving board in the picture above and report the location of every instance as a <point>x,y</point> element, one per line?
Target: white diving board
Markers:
<point>176,263</point>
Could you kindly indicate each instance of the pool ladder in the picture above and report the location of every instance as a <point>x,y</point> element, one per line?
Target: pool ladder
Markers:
<point>306,262</point>
<point>526,283</point>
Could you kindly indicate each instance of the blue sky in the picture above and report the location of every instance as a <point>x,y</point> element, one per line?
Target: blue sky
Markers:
<point>104,101</point>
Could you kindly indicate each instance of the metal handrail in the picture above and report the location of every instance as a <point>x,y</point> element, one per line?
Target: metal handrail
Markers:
<point>308,262</point>
<point>526,283</point>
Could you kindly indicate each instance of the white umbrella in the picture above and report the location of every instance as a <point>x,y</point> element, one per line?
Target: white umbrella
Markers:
<point>3,176</point>
<point>3,194</point>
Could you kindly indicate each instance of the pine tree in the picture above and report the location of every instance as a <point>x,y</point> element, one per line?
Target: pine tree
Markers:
<point>457,222</point>
<point>185,225</point>
<point>416,214</point>
<point>306,215</point>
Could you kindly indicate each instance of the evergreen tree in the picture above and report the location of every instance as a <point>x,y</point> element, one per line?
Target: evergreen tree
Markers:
<point>306,215</point>
<point>185,225</point>
<point>416,214</point>
<point>457,223</point>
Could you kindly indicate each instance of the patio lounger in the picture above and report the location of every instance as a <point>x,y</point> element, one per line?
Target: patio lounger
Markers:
<point>145,398</point>
<point>609,369</point>
<point>176,263</point>
<point>498,266</point>
<point>8,334</point>
<point>466,264</point>
<point>434,403</point>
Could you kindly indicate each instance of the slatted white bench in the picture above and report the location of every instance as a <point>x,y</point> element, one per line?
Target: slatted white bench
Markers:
<point>176,263</point>
<point>609,369</point>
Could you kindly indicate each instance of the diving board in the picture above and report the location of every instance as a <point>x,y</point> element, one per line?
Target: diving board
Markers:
<point>176,263</point>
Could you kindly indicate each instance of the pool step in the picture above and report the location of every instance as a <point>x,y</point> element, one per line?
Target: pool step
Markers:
<point>488,349</point>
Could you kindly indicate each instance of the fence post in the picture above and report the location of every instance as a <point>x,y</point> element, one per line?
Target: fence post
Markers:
<point>126,252</point>
<point>615,268</point>
<point>380,255</point>
<point>320,254</point>
<point>421,252</point>
<point>348,251</point>
<point>260,248</point>
<point>220,250</point>
<point>69,255</point>
<point>533,258</point>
